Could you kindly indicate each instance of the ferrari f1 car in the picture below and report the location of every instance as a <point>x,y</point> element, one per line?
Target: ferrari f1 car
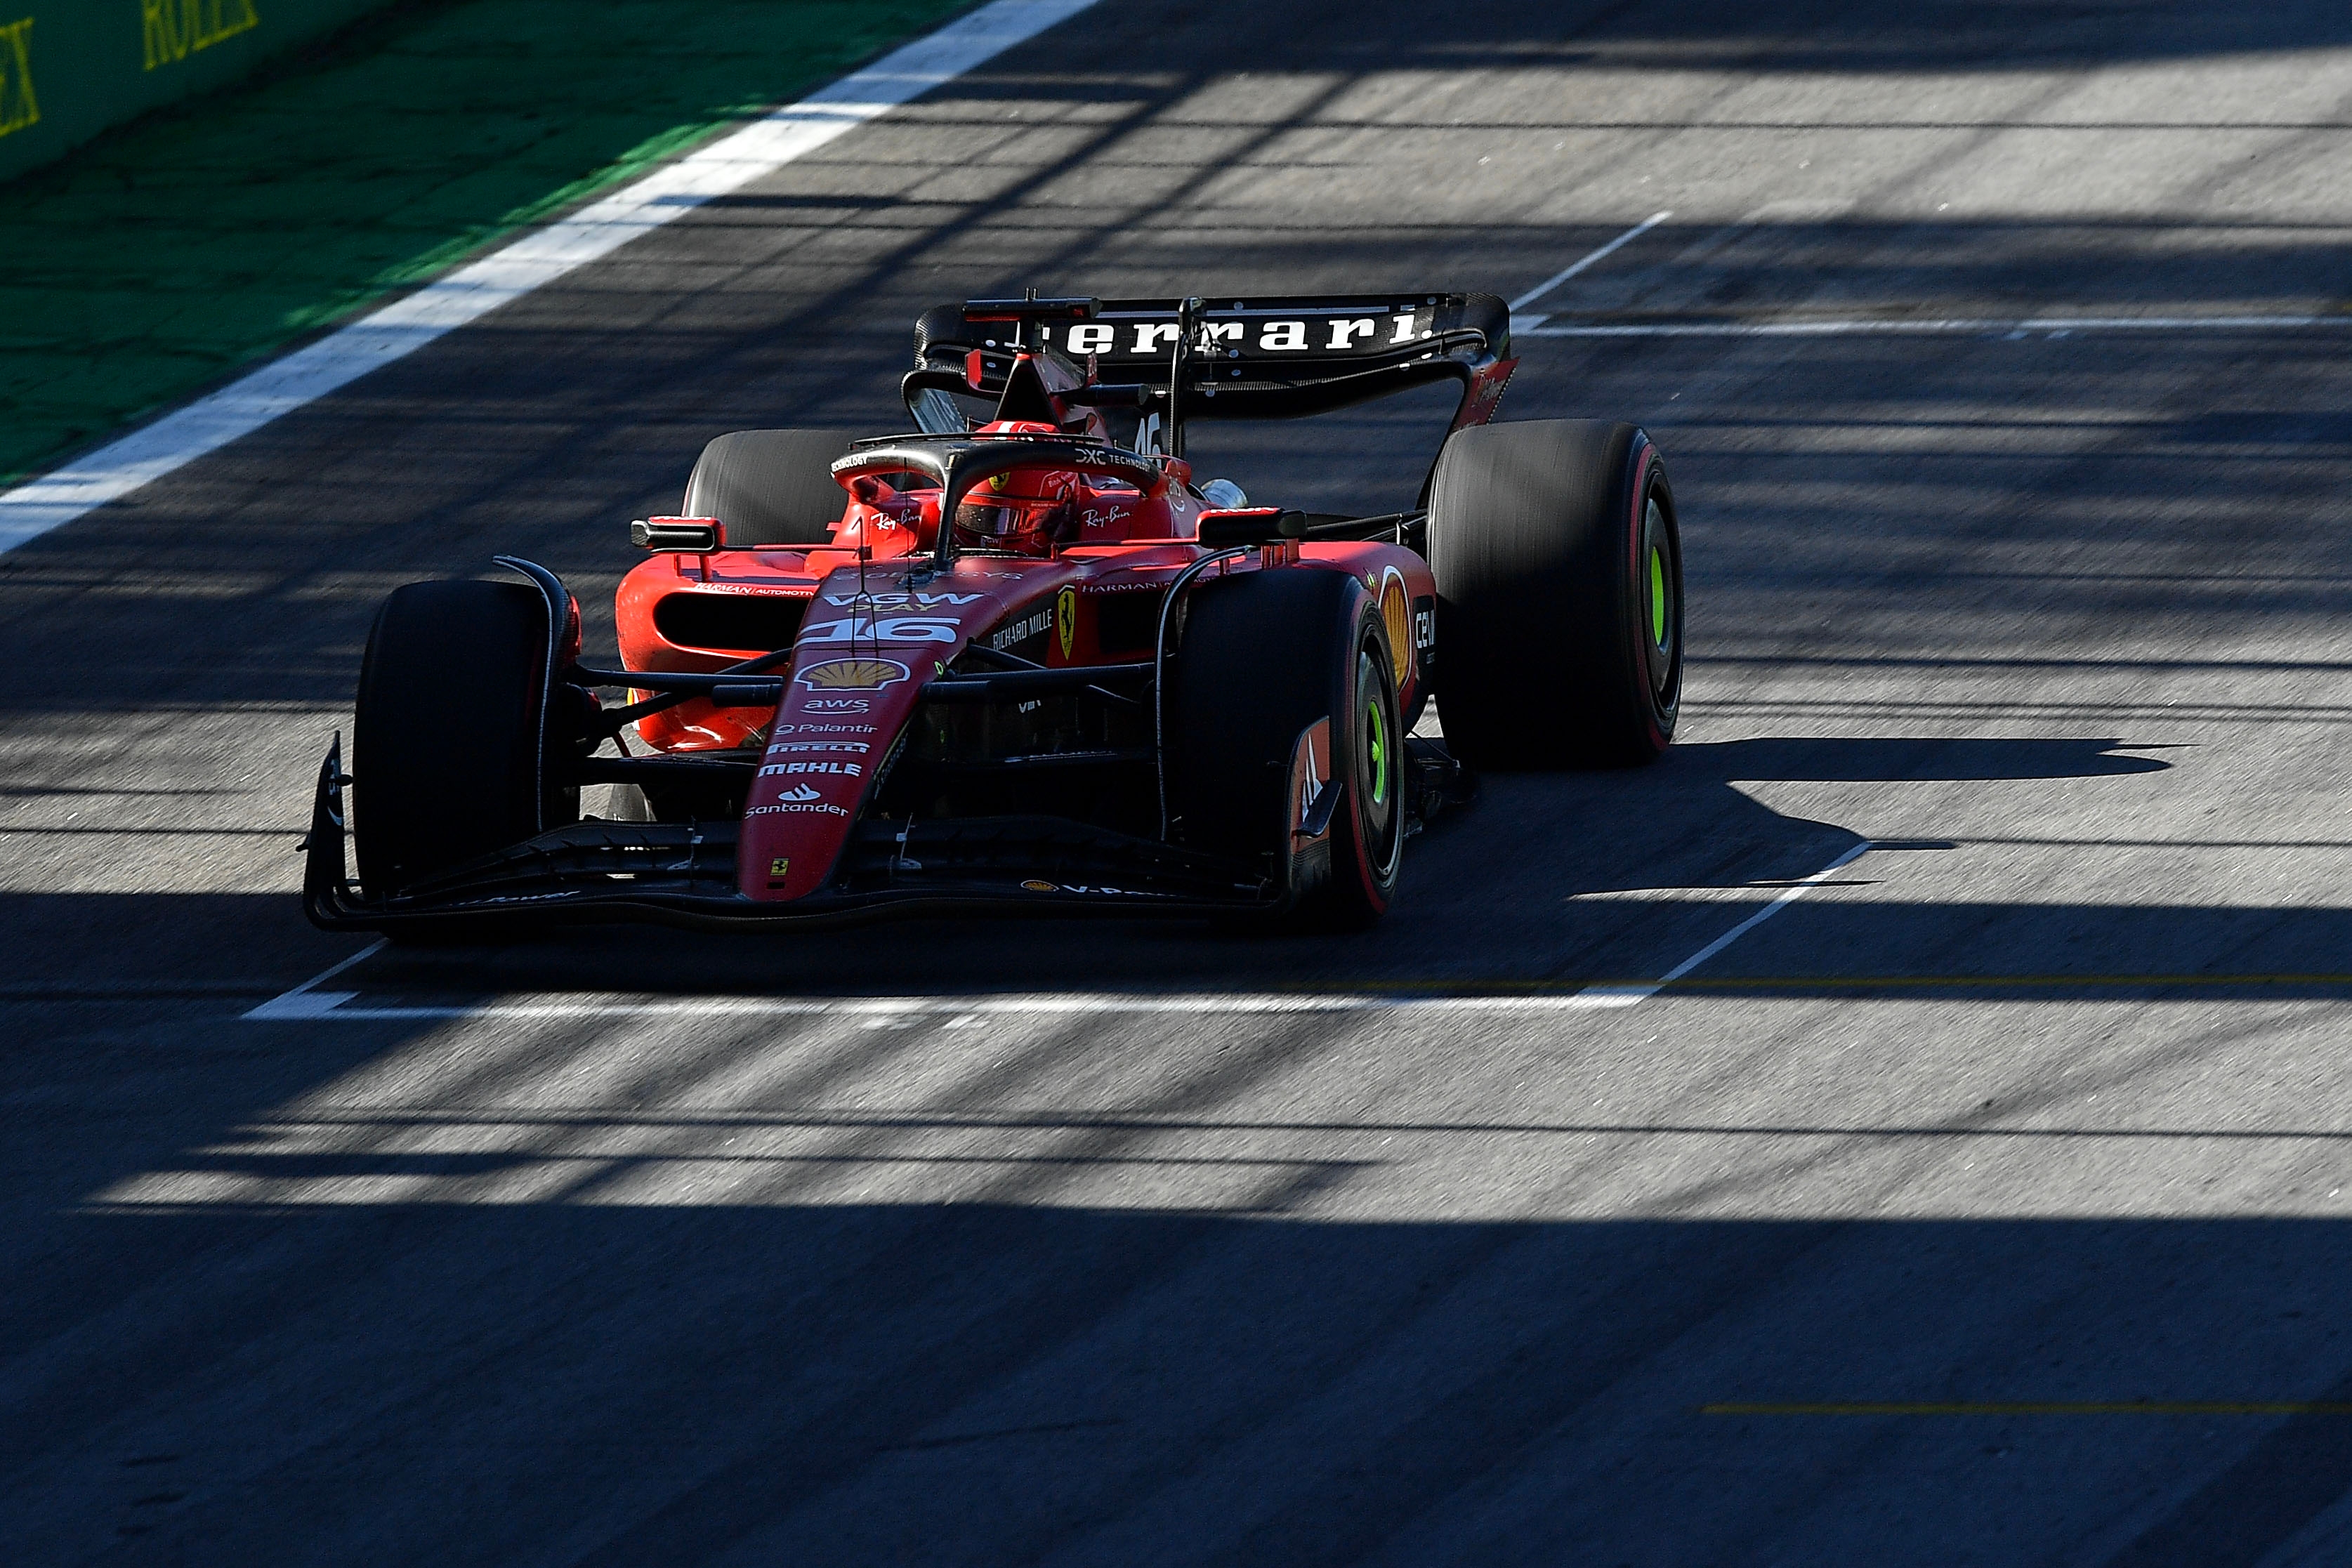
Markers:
<point>1016,659</point>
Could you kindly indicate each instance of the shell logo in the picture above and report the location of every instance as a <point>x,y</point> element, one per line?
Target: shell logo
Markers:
<point>853,674</point>
<point>1397,610</point>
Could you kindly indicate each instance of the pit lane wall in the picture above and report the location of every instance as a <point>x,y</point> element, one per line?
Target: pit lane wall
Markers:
<point>70,68</point>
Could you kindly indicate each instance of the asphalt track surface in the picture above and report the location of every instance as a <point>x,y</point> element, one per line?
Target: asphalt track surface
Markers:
<point>1985,1205</point>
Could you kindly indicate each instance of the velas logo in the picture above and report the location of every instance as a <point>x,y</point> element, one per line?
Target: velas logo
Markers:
<point>1034,885</point>
<point>852,675</point>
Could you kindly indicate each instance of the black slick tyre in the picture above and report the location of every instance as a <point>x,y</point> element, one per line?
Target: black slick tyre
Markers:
<point>1560,595</point>
<point>449,756</point>
<point>769,487</point>
<point>1263,658</point>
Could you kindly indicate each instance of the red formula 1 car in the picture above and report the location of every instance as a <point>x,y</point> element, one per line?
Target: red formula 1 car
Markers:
<point>1016,658</point>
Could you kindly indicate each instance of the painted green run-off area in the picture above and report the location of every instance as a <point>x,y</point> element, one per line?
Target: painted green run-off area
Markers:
<point>150,265</point>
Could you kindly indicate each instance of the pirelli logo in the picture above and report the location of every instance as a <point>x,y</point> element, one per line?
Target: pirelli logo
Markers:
<point>174,30</point>
<point>18,107</point>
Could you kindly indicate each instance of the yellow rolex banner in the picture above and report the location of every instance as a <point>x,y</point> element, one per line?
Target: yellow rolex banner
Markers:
<point>70,68</point>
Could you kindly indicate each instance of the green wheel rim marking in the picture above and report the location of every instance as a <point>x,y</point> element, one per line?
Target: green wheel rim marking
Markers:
<point>1376,732</point>
<point>1658,596</point>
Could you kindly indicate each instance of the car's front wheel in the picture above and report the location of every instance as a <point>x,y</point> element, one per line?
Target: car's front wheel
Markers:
<point>1269,662</point>
<point>449,754</point>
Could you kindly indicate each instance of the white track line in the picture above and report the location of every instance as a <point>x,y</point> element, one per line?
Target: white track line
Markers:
<point>2024,327</point>
<point>305,1003</point>
<point>1606,251</point>
<point>530,263</point>
<point>328,1006</point>
<point>1627,996</point>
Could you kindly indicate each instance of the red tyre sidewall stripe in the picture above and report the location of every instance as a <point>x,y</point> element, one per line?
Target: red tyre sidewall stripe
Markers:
<point>1644,462</point>
<point>1374,899</point>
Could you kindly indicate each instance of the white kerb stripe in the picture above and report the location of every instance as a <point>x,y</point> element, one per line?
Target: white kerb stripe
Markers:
<point>531,261</point>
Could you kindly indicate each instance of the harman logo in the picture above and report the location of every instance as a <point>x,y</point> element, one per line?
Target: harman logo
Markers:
<point>852,675</point>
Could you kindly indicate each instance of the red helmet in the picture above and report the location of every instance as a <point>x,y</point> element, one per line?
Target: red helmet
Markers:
<point>1027,511</point>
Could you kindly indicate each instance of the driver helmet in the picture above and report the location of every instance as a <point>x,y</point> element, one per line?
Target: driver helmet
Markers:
<point>1027,512</point>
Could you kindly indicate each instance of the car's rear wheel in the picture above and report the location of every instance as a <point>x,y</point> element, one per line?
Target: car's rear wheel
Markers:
<point>769,487</point>
<point>1264,657</point>
<point>1560,595</point>
<point>449,759</point>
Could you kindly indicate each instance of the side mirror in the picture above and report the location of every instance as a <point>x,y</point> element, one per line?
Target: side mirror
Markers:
<point>696,536</point>
<point>1254,526</point>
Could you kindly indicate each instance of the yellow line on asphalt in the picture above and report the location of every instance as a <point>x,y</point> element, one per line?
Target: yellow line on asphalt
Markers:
<point>1867,982</point>
<point>1818,982</point>
<point>2048,1408</point>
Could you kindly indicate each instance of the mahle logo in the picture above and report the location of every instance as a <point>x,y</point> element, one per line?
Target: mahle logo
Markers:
<point>174,30</point>
<point>18,107</point>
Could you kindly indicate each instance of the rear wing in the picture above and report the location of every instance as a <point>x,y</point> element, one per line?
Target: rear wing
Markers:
<point>1267,358</point>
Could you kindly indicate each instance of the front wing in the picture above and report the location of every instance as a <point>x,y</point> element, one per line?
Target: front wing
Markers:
<point>684,873</point>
